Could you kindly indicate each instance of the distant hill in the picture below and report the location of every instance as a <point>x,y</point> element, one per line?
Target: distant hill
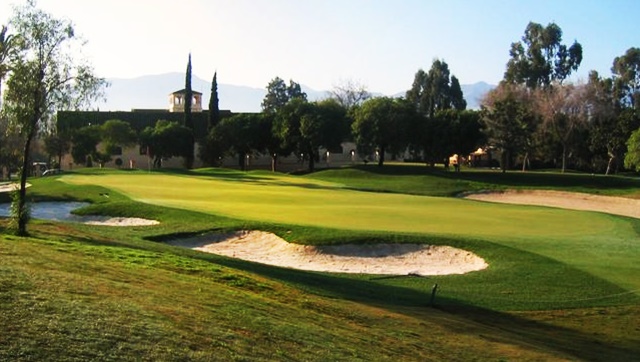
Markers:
<point>152,92</point>
<point>473,93</point>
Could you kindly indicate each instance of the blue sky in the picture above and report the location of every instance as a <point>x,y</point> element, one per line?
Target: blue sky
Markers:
<point>380,43</point>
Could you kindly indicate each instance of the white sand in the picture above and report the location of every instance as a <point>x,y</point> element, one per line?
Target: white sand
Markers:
<point>566,200</point>
<point>8,187</point>
<point>115,221</point>
<point>393,259</point>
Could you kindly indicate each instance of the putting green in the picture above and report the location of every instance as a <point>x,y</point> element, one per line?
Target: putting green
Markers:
<point>581,239</point>
<point>327,205</point>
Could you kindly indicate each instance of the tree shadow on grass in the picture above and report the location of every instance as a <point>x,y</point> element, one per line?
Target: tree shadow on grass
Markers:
<point>452,314</point>
<point>568,181</point>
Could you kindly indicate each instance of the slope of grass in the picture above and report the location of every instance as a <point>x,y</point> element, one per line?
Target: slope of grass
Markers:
<point>69,294</point>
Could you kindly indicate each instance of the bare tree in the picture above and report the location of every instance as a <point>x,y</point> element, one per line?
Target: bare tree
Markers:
<point>350,93</point>
<point>563,109</point>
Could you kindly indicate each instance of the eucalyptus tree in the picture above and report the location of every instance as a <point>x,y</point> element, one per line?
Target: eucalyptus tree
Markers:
<point>540,59</point>
<point>436,90</point>
<point>44,77</point>
<point>626,75</point>
<point>432,92</point>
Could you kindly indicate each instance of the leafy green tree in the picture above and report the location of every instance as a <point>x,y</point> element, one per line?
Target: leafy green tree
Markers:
<point>336,126</point>
<point>430,94</point>
<point>57,145</point>
<point>276,96</point>
<point>44,76</point>
<point>508,121</point>
<point>117,133</point>
<point>540,58</point>
<point>461,132</point>
<point>279,94</point>
<point>306,127</point>
<point>267,141</point>
<point>165,140</point>
<point>286,124</point>
<point>84,144</point>
<point>381,124</point>
<point>457,97</point>
<point>188,117</point>
<point>214,108</point>
<point>626,74</point>
<point>609,126</point>
<point>10,146</point>
<point>632,158</point>
<point>238,135</point>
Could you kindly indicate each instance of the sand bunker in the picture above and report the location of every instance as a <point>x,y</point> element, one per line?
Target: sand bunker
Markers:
<point>8,187</point>
<point>114,221</point>
<point>566,200</point>
<point>393,259</point>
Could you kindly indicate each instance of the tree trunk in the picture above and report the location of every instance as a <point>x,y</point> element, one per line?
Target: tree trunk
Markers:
<point>21,210</point>
<point>312,161</point>
<point>611,158</point>
<point>524,162</point>
<point>564,158</point>
<point>505,159</point>
<point>274,160</point>
<point>241,161</point>
<point>381,157</point>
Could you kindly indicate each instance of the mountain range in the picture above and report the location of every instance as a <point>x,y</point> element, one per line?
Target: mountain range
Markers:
<point>152,92</point>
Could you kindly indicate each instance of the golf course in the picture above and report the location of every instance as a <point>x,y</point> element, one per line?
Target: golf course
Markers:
<point>559,284</point>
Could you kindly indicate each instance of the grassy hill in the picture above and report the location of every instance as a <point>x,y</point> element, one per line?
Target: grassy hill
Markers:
<point>560,291</point>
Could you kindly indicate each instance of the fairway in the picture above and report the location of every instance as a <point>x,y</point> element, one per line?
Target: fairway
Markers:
<point>601,239</point>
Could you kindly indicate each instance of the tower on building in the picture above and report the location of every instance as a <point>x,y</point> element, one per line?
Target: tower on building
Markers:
<point>176,101</point>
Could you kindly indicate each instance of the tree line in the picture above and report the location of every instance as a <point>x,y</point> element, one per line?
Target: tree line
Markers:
<point>534,118</point>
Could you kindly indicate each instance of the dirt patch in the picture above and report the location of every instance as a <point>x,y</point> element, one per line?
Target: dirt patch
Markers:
<point>566,200</point>
<point>392,259</point>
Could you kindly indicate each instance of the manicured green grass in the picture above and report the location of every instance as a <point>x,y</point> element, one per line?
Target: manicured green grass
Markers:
<point>603,240</point>
<point>119,293</point>
<point>422,180</point>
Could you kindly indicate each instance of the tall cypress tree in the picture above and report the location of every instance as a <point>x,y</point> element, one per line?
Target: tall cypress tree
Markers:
<point>214,109</point>
<point>188,118</point>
